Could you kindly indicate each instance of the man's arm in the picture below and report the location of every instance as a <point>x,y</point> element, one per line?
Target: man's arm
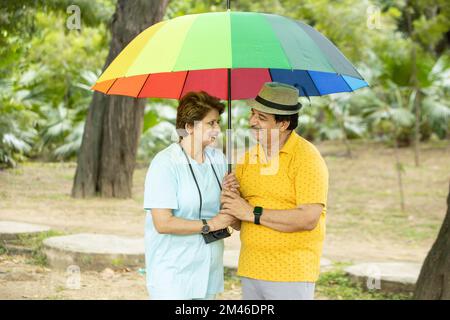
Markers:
<point>303,218</point>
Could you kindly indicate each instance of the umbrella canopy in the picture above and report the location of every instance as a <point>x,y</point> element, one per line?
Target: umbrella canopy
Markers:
<point>199,52</point>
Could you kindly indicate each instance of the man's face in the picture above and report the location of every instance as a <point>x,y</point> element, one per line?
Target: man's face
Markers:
<point>262,125</point>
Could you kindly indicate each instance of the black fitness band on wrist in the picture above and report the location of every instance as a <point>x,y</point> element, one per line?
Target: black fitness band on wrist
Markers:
<point>257,211</point>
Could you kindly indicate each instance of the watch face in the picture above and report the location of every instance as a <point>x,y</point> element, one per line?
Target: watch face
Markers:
<point>257,210</point>
<point>205,229</point>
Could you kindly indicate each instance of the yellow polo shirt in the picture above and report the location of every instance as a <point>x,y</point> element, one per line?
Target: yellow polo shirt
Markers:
<point>298,176</point>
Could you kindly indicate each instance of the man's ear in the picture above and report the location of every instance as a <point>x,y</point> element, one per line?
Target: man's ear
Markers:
<point>284,125</point>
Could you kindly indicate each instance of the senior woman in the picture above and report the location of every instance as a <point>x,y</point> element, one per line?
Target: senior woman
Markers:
<point>182,200</point>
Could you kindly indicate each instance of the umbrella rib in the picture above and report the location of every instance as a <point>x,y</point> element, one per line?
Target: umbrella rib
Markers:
<point>107,91</point>
<point>351,90</point>
<point>143,85</point>
<point>184,84</point>
<point>270,74</point>
<point>314,84</point>
<point>307,30</point>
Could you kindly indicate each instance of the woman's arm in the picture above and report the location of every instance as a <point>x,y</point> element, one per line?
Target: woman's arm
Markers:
<point>166,223</point>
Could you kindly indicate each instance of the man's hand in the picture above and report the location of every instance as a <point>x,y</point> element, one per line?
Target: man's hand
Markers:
<point>230,183</point>
<point>234,205</point>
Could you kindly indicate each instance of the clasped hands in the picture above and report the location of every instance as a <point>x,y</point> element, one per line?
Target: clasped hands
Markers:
<point>234,208</point>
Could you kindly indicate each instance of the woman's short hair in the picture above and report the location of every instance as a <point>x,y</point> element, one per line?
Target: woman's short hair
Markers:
<point>194,106</point>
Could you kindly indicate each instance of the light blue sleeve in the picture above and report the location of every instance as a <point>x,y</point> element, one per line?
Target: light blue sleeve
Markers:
<point>161,184</point>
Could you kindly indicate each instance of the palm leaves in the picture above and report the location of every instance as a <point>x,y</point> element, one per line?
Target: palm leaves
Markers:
<point>158,130</point>
<point>15,143</point>
<point>16,134</point>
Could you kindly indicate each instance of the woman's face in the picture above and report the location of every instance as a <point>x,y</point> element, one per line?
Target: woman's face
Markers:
<point>207,130</point>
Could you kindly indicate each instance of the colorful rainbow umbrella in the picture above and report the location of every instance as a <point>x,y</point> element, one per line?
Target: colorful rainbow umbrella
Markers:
<point>197,52</point>
<point>230,55</point>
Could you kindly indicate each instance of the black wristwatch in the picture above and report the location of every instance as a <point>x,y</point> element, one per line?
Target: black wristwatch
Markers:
<point>206,228</point>
<point>257,212</point>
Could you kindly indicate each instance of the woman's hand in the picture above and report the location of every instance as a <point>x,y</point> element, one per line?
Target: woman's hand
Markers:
<point>221,221</point>
<point>230,183</point>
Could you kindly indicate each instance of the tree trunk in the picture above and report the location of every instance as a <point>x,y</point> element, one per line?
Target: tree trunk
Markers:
<point>113,126</point>
<point>434,278</point>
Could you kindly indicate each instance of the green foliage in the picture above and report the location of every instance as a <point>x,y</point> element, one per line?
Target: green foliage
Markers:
<point>43,97</point>
<point>159,129</point>
<point>231,279</point>
<point>3,250</point>
<point>35,243</point>
<point>47,71</point>
<point>16,131</point>
<point>118,262</point>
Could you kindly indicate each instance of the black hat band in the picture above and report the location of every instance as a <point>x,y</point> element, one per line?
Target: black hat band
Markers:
<point>278,106</point>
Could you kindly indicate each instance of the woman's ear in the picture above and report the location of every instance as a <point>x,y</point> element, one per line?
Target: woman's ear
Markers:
<point>189,128</point>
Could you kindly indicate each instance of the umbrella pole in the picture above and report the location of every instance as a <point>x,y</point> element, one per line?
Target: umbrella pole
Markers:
<point>229,144</point>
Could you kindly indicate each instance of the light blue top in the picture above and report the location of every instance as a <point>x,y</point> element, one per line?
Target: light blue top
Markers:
<point>183,266</point>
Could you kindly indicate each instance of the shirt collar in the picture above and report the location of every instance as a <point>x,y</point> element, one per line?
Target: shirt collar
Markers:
<point>288,147</point>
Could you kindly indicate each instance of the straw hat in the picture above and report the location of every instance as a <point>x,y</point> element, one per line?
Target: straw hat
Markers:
<point>276,98</point>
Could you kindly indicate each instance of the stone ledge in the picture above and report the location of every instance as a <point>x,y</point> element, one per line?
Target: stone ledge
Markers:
<point>11,230</point>
<point>392,277</point>
<point>94,251</point>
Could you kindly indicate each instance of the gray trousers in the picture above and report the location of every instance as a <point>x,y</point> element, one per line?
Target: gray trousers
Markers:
<point>253,289</point>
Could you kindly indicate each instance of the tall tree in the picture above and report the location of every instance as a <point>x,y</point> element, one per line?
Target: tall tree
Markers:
<point>114,123</point>
<point>434,278</point>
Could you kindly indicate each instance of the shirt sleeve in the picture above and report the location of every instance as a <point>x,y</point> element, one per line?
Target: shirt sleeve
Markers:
<point>311,180</point>
<point>161,185</point>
